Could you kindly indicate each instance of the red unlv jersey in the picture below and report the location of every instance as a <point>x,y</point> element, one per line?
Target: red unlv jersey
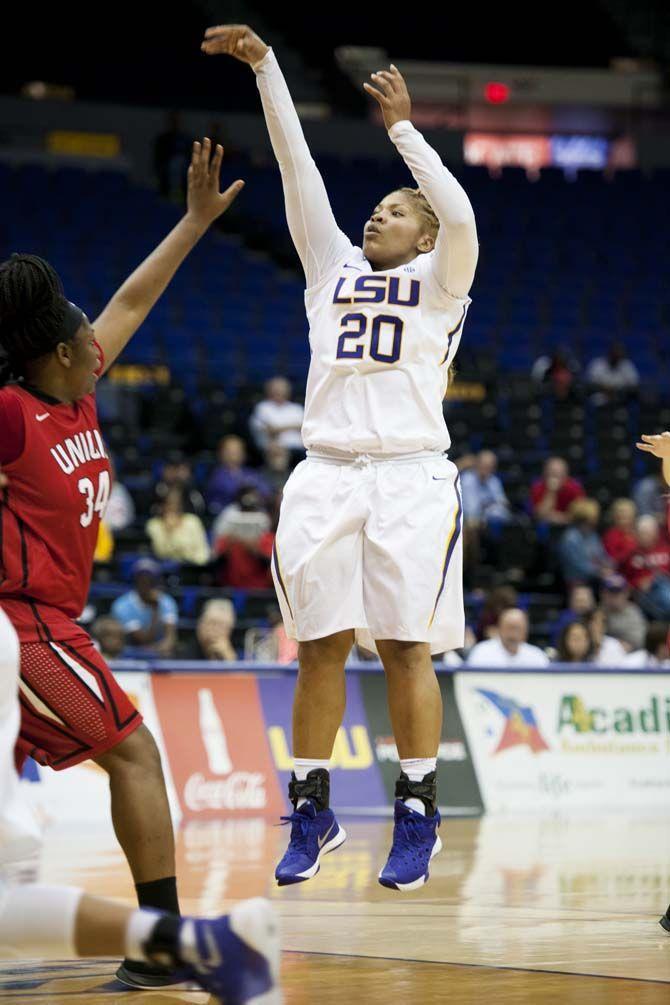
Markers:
<point>58,488</point>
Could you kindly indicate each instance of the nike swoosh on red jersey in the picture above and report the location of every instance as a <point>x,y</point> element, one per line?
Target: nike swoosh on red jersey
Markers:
<point>41,418</point>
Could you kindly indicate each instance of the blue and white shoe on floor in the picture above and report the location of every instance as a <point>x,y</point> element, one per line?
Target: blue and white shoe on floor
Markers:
<point>313,834</point>
<point>236,957</point>
<point>415,843</point>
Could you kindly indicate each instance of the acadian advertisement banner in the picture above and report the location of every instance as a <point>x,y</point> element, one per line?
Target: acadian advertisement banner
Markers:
<point>558,742</point>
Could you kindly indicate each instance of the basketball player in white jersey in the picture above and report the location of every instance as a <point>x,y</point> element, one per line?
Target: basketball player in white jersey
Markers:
<point>369,541</point>
<point>236,957</point>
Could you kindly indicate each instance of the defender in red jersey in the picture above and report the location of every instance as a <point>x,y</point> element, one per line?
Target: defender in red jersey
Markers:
<point>56,485</point>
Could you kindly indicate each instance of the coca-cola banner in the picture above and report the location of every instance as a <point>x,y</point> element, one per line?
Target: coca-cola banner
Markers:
<point>356,782</point>
<point>214,733</point>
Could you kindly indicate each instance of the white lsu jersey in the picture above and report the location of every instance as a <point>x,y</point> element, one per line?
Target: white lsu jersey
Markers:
<point>382,344</point>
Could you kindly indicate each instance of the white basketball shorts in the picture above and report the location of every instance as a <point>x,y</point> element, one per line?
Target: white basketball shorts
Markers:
<point>374,545</point>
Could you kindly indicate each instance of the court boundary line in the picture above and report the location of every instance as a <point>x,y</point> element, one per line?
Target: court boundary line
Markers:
<point>478,966</point>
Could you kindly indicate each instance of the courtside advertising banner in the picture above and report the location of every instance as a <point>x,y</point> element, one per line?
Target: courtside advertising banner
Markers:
<point>217,747</point>
<point>559,741</point>
<point>356,781</point>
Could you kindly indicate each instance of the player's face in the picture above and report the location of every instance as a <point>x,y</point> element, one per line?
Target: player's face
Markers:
<point>84,359</point>
<point>394,234</point>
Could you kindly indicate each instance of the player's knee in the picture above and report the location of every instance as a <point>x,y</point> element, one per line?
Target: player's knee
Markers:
<point>332,650</point>
<point>405,656</point>
<point>137,751</point>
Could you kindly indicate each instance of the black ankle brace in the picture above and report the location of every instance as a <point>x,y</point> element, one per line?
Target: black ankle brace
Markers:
<point>425,790</point>
<point>162,946</point>
<point>315,787</point>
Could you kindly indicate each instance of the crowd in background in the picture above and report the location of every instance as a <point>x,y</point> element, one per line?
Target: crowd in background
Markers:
<point>614,567</point>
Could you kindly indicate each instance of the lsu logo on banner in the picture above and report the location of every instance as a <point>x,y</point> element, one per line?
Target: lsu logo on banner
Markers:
<point>352,750</point>
<point>217,748</point>
<point>520,723</point>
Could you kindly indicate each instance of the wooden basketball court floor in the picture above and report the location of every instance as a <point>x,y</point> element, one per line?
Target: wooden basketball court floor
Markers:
<point>518,910</point>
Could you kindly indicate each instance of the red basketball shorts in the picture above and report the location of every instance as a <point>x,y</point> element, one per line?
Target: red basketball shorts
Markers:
<point>72,708</point>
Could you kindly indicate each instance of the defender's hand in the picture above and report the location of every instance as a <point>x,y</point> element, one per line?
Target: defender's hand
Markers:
<point>236,40</point>
<point>391,94</point>
<point>204,201</point>
<point>658,445</point>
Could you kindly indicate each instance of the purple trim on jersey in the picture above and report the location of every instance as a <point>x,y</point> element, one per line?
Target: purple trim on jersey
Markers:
<point>455,534</point>
<point>279,577</point>
<point>452,334</point>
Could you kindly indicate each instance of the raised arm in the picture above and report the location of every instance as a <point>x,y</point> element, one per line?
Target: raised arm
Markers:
<point>132,302</point>
<point>318,240</point>
<point>659,446</point>
<point>456,247</point>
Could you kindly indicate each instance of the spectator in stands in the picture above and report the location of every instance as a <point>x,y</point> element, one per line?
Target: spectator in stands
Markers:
<point>271,643</point>
<point>619,540</point>
<point>655,653</point>
<point>647,569</point>
<point>120,512</point>
<point>580,604</point>
<point>484,499</point>
<point>557,373</point>
<point>214,631</point>
<point>581,554</point>
<point>172,151</point>
<point>499,599</point>
<point>623,619</point>
<point>177,473</point>
<point>612,376</point>
<point>110,636</point>
<point>552,495</point>
<point>575,644</point>
<point>149,615</point>
<point>650,496</point>
<point>277,467</point>
<point>231,475</point>
<point>608,651</point>
<point>277,419</point>
<point>243,542</point>
<point>178,536</point>
<point>510,649</point>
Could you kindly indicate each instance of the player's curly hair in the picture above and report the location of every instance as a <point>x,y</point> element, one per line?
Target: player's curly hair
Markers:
<point>32,309</point>
<point>424,209</point>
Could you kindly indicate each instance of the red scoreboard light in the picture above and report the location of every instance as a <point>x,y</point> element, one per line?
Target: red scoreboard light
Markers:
<point>496,93</point>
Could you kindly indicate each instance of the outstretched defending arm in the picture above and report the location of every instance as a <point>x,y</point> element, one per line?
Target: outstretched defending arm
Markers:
<point>132,302</point>
<point>317,238</point>
<point>659,446</point>
<point>456,247</point>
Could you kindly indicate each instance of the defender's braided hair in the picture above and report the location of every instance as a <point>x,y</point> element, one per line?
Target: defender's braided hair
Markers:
<point>32,311</point>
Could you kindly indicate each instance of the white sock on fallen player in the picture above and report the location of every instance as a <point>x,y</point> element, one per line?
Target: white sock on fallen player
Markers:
<point>416,769</point>
<point>138,932</point>
<point>302,767</point>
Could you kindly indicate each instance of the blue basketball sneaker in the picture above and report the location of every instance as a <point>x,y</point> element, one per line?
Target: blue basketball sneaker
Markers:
<point>415,837</point>
<point>235,957</point>
<point>314,829</point>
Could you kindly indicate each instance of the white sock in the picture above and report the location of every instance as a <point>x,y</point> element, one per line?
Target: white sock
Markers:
<point>302,767</point>
<point>140,926</point>
<point>416,768</point>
